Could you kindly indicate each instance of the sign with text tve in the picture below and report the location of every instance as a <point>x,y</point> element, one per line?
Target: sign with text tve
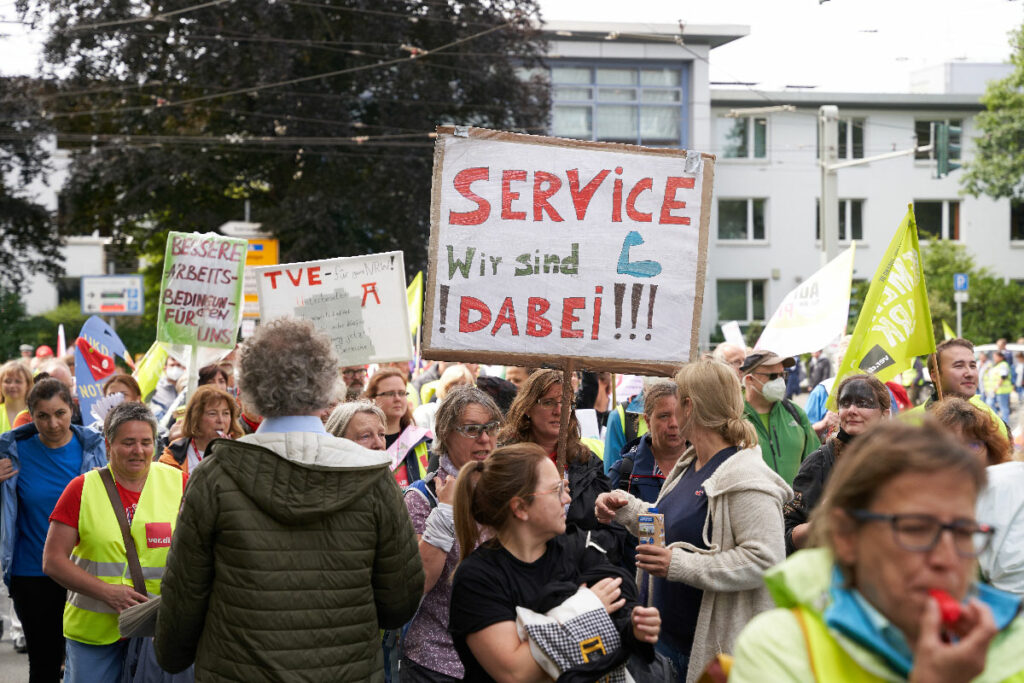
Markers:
<point>358,301</point>
<point>544,248</point>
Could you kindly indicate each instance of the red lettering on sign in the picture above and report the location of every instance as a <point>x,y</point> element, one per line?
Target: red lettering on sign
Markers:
<point>508,196</point>
<point>463,180</point>
<point>670,203</point>
<point>541,196</point>
<point>468,305</point>
<point>368,289</point>
<point>536,324</point>
<point>634,215</point>
<point>273,277</point>
<point>569,305</point>
<point>506,316</point>
<point>581,198</point>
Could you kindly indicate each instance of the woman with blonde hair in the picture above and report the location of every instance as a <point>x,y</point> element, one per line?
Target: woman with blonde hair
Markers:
<point>517,497</point>
<point>455,376</point>
<point>211,413</point>
<point>535,417</point>
<point>722,508</point>
<point>15,383</point>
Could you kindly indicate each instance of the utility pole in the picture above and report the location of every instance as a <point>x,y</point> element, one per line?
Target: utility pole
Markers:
<point>828,205</point>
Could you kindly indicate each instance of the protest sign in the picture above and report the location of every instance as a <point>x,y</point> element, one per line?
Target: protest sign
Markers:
<point>545,250</point>
<point>359,302</point>
<point>201,290</point>
<point>813,315</point>
<point>733,335</point>
<point>895,322</point>
<point>96,349</point>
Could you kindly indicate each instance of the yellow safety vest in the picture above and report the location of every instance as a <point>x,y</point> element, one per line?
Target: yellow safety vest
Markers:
<point>1003,384</point>
<point>595,445</point>
<point>428,390</point>
<point>100,550</point>
<point>422,457</point>
<point>829,661</point>
<point>641,423</point>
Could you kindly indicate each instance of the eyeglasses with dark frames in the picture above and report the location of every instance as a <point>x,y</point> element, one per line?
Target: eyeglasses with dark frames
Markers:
<point>473,431</point>
<point>772,375</point>
<point>920,533</point>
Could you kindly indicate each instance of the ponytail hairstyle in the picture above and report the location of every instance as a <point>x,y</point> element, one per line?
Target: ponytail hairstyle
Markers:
<point>485,489</point>
<point>714,391</point>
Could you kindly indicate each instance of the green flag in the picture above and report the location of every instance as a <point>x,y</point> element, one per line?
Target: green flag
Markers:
<point>414,300</point>
<point>947,333</point>
<point>895,324</point>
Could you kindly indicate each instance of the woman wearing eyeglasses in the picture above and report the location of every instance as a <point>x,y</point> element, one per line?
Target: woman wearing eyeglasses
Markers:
<point>518,497</point>
<point>467,423</point>
<point>535,417</point>
<point>863,403</point>
<point>897,522</point>
<point>407,443</point>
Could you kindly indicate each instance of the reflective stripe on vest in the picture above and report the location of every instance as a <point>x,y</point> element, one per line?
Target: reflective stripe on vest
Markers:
<point>829,661</point>
<point>100,550</point>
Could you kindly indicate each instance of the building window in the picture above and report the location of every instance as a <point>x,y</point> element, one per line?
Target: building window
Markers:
<point>851,213</point>
<point>740,300</point>
<point>742,138</point>
<point>1017,221</point>
<point>937,220</point>
<point>851,138</point>
<point>637,105</point>
<point>69,289</point>
<point>741,219</point>
<point>923,130</point>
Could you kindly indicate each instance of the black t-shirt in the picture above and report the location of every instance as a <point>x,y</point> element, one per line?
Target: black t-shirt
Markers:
<point>391,438</point>
<point>491,582</point>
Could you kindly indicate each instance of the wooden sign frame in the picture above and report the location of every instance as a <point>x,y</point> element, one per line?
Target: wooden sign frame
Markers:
<point>622,365</point>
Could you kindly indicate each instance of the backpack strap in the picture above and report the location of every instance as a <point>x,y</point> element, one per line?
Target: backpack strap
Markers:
<point>631,425</point>
<point>625,472</point>
<point>425,489</point>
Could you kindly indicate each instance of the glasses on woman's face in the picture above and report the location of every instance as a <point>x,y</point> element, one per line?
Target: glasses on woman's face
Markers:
<point>389,394</point>
<point>921,533</point>
<point>550,403</point>
<point>560,489</point>
<point>473,431</point>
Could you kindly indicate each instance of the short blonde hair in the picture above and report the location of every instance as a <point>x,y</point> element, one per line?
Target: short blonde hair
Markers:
<point>454,375</point>
<point>714,391</point>
<point>16,366</point>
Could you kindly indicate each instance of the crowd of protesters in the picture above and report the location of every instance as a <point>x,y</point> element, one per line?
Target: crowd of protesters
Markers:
<point>303,520</point>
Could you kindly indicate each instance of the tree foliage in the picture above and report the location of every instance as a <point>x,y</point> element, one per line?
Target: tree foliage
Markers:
<point>993,310</point>
<point>318,112</point>
<point>29,242</point>
<point>997,168</point>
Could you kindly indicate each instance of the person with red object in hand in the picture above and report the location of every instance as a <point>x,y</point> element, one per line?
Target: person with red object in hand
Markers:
<point>901,541</point>
<point>211,414</point>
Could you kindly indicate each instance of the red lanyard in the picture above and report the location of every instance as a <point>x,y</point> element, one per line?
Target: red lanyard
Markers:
<point>199,456</point>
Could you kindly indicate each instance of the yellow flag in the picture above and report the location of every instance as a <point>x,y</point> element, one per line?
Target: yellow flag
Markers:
<point>147,371</point>
<point>414,299</point>
<point>947,333</point>
<point>895,323</point>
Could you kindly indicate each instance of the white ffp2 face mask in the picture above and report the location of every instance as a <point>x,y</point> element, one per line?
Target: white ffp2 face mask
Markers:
<point>775,390</point>
<point>174,373</point>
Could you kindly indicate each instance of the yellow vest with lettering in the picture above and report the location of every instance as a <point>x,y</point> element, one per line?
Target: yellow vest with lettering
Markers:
<point>100,550</point>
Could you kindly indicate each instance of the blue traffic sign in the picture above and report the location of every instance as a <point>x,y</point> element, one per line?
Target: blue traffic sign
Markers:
<point>960,282</point>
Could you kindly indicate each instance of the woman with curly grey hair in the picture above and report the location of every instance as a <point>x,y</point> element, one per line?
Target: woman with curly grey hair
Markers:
<point>289,525</point>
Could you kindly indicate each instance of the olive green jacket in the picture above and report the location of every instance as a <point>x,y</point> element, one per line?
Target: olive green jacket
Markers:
<point>291,552</point>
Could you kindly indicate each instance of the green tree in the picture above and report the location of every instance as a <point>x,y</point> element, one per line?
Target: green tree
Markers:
<point>997,168</point>
<point>320,113</point>
<point>994,308</point>
<point>29,242</point>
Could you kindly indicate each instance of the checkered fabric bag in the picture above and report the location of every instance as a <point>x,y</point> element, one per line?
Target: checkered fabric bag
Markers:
<point>570,634</point>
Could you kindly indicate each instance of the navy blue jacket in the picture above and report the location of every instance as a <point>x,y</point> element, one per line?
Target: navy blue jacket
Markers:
<point>641,481</point>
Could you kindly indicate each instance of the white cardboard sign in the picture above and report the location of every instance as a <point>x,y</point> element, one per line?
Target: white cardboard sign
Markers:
<point>358,301</point>
<point>549,248</point>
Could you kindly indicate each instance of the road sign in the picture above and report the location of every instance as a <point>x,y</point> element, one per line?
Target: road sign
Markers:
<point>262,252</point>
<point>112,295</point>
<point>960,297</point>
<point>960,282</point>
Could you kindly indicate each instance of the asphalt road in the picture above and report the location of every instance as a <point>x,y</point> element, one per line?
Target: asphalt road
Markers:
<point>13,666</point>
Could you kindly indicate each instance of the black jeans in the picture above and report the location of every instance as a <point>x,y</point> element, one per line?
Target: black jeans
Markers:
<point>411,672</point>
<point>39,603</point>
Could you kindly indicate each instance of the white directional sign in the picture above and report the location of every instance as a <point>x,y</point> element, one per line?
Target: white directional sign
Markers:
<point>112,295</point>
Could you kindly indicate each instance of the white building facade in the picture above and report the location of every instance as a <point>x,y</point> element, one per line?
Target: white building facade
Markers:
<point>636,83</point>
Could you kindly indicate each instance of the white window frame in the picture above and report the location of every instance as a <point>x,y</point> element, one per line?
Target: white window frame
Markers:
<point>846,213</point>
<point>925,238</point>
<point>749,239</point>
<point>751,156</point>
<point>849,121</point>
<point>749,295</point>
